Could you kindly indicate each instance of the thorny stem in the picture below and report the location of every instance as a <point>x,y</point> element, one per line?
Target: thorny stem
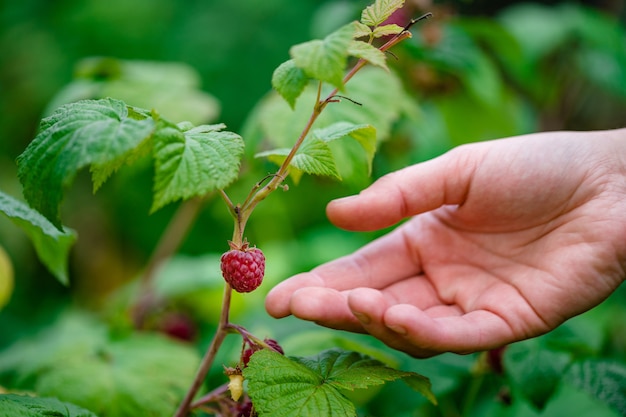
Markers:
<point>242,213</point>
<point>209,356</point>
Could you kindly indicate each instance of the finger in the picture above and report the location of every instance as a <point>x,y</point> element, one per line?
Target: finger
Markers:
<point>407,192</point>
<point>376,265</point>
<point>424,335</point>
<point>369,307</point>
<point>324,306</point>
<point>278,300</point>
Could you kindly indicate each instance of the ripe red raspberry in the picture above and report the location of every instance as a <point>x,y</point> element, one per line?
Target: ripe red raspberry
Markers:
<point>243,268</point>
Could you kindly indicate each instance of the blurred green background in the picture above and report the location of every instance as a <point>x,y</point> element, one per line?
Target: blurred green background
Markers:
<point>476,71</point>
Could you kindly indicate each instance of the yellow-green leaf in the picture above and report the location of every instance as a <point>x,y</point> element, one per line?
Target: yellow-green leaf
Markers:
<point>361,30</point>
<point>369,53</point>
<point>380,11</point>
<point>387,30</point>
<point>325,60</point>
<point>289,81</point>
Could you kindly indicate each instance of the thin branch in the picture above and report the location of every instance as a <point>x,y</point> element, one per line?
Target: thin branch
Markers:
<point>214,395</point>
<point>209,356</point>
<point>229,203</point>
<point>414,21</point>
<point>333,99</point>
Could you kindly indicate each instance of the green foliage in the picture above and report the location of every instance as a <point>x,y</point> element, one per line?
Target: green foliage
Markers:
<point>85,364</point>
<point>191,161</point>
<point>368,53</point>
<point>604,380</point>
<point>12,405</point>
<point>325,60</point>
<point>106,134</point>
<point>380,11</point>
<point>541,371</point>
<point>171,88</point>
<point>314,386</point>
<point>52,245</point>
<point>383,102</point>
<point>87,133</point>
<point>289,81</point>
<point>316,157</point>
<point>536,370</point>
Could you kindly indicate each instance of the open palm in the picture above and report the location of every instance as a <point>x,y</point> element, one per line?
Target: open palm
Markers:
<point>506,240</point>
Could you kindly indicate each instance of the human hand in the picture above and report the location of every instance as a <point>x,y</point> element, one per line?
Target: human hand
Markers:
<point>507,239</point>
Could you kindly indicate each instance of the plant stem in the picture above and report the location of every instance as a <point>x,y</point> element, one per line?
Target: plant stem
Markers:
<point>211,396</point>
<point>209,356</point>
<point>279,177</point>
<point>241,215</point>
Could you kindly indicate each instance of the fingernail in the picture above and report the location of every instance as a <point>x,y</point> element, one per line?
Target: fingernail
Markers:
<point>398,329</point>
<point>363,318</point>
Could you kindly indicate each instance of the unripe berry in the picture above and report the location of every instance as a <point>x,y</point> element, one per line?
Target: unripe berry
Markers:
<point>235,382</point>
<point>243,268</point>
<point>247,353</point>
<point>274,345</point>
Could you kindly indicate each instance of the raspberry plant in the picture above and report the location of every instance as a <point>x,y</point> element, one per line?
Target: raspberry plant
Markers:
<point>191,162</point>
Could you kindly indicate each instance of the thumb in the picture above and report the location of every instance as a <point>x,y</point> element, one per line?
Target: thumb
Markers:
<point>413,190</point>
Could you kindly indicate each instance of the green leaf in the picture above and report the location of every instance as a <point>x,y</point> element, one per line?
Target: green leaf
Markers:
<point>314,157</point>
<point>602,379</point>
<point>387,30</point>
<point>289,81</point>
<point>569,401</point>
<point>383,103</point>
<point>317,158</point>
<point>380,11</point>
<point>173,89</point>
<point>353,370</point>
<point>312,386</point>
<point>361,30</point>
<point>193,162</point>
<point>101,172</point>
<point>380,93</point>
<point>25,406</point>
<point>364,134</point>
<point>369,53</point>
<point>78,360</point>
<point>535,370</point>
<point>325,60</point>
<point>75,136</point>
<point>51,244</point>
<point>282,387</point>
